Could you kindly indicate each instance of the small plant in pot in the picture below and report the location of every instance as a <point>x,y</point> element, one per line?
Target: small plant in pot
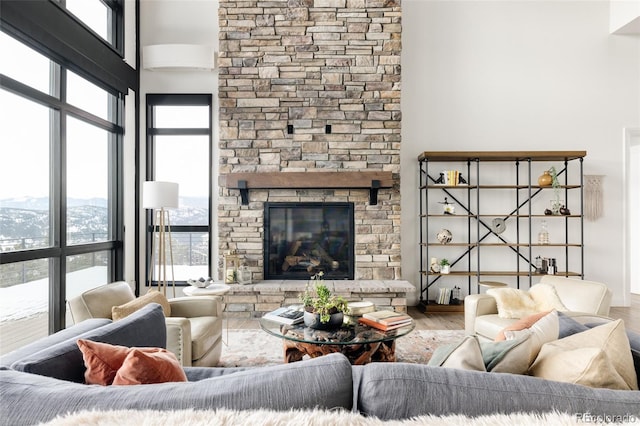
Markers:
<point>322,310</point>
<point>444,266</point>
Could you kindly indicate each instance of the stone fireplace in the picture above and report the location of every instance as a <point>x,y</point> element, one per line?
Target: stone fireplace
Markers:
<point>311,88</point>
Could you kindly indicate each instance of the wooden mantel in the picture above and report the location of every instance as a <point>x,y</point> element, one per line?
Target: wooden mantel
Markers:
<point>371,180</point>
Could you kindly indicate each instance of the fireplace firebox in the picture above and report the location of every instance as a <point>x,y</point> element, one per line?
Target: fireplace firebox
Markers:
<point>301,239</point>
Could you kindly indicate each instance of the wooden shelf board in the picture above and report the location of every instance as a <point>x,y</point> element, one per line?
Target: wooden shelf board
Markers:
<point>496,274</point>
<point>501,155</point>
<point>433,308</point>
<point>310,180</point>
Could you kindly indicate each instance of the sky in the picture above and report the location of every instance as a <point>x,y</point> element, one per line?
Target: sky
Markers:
<point>24,136</point>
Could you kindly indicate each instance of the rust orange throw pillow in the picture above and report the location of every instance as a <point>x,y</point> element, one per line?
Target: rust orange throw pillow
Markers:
<point>105,361</point>
<point>145,367</point>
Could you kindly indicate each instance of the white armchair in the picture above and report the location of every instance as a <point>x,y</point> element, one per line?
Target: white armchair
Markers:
<point>194,328</point>
<point>581,298</point>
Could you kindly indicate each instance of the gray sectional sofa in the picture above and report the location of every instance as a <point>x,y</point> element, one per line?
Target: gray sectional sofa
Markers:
<point>45,379</point>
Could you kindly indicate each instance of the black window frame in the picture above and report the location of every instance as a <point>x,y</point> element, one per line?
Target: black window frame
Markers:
<point>72,46</point>
<point>177,99</point>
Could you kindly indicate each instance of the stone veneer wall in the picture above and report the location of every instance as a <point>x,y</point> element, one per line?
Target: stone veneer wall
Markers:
<point>311,63</point>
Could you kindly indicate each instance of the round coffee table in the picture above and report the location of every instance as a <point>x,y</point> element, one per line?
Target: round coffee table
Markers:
<point>359,343</point>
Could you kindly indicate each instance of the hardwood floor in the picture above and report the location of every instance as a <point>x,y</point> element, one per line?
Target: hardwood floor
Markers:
<point>455,321</point>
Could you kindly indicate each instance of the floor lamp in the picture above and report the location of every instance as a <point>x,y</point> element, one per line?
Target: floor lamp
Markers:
<point>159,196</point>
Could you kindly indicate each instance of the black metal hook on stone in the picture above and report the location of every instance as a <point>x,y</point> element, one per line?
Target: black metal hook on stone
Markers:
<point>373,192</point>
<point>244,192</point>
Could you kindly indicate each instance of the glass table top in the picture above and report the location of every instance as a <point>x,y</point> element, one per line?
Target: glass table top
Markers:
<point>351,333</point>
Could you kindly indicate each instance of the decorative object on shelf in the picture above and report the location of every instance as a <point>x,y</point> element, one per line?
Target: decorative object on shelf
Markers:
<point>440,180</point>
<point>231,264</point>
<point>200,282</point>
<point>444,236</point>
<point>434,266</point>
<point>456,296</point>
<point>564,211</point>
<point>444,266</point>
<point>556,207</point>
<point>447,207</point>
<point>543,234</point>
<point>159,196</point>
<point>322,310</point>
<point>244,274</point>
<point>556,203</point>
<point>498,225</point>
<point>545,179</point>
<point>552,267</point>
<point>593,197</point>
<point>541,265</point>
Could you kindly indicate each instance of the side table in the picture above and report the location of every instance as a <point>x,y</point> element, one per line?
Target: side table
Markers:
<point>211,290</point>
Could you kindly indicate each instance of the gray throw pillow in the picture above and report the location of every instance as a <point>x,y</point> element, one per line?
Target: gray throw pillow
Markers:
<point>64,361</point>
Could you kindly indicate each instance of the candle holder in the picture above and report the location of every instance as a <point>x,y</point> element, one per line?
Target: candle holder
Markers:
<point>231,264</point>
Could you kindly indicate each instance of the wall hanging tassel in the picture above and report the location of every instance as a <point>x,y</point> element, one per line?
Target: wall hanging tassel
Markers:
<point>593,199</point>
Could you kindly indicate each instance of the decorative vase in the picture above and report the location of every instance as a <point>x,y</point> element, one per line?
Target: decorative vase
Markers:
<point>444,269</point>
<point>545,179</point>
<point>312,320</point>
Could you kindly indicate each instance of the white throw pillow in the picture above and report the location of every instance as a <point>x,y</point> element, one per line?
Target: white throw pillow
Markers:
<point>545,330</point>
<point>516,303</point>
<point>599,357</point>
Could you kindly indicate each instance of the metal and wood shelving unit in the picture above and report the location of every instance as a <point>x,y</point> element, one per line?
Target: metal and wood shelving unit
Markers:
<point>517,202</point>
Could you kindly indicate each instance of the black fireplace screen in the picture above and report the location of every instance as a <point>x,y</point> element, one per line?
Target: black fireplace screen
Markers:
<point>302,239</point>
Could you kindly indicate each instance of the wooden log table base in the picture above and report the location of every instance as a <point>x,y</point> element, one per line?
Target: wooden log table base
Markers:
<point>358,354</point>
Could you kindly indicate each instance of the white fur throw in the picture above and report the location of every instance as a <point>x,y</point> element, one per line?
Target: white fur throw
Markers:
<point>515,303</point>
<point>295,418</point>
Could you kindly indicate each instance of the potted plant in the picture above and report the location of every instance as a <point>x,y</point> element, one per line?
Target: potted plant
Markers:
<point>444,266</point>
<point>322,310</point>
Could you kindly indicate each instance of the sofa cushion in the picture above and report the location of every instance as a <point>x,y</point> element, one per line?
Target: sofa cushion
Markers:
<point>465,354</point>
<point>144,366</point>
<point>323,382</point>
<point>46,342</point>
<point>401,390</point>
<point>145,327</point>
<point>122,311</point>
<point>600,357</point>
<point>205,331</point>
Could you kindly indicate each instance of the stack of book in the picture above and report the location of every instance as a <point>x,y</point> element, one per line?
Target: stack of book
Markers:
<point>385,320</point>
<point>290,315</point>
<point>444,296</point>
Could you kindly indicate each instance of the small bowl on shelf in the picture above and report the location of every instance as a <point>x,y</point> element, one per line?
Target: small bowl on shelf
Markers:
<point>200,282</point>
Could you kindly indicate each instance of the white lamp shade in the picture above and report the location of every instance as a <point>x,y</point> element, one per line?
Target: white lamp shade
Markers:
<point>158,195</point>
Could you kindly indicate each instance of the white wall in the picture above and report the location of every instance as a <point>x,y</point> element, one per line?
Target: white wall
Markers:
<point>180,22</point>
<point>520,75</point>
<point>486,75</point>
<point>624,16</point>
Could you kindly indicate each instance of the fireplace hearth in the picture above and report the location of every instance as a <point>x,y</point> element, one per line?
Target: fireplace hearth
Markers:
<point>304,238</point>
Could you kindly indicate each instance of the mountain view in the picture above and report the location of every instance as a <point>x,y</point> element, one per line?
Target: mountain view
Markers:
<point>24,224</point>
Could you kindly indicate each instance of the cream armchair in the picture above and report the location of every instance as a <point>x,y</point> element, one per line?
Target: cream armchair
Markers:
<point>582,299</point>
<point>194,328</point>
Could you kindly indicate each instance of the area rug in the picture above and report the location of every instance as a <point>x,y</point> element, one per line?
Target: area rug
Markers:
<point>295,418</point>
<point>250,348</point>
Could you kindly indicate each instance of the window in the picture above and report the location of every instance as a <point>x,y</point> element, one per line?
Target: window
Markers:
<point>179,150</point>
<point>60,164</point>
<point>99,16</point>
